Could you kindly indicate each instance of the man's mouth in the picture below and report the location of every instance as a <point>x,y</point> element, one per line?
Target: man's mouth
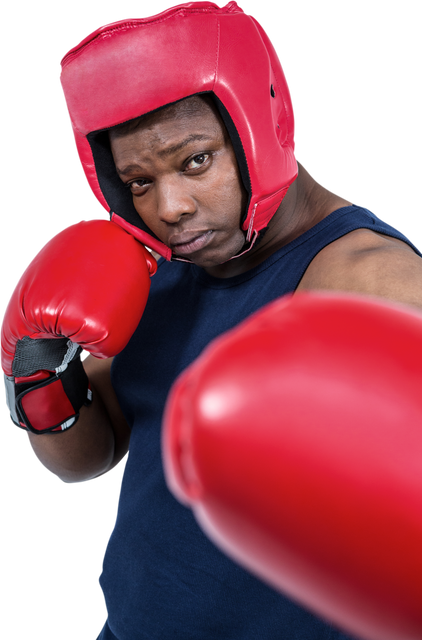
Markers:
<point>189,242</point>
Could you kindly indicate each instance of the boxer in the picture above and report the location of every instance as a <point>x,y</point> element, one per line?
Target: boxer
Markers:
<point>184,127</point>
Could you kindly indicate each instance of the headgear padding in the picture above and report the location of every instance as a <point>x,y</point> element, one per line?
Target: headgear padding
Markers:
<point>132,67</point>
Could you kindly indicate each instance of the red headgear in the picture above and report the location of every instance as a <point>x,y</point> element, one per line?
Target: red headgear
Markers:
<point>132,67</point>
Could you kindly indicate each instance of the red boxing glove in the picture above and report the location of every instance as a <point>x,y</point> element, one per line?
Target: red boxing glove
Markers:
<point>296,438</point>
<point>87,288</point>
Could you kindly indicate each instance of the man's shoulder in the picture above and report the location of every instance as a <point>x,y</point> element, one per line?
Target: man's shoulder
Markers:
<point>364,261</point>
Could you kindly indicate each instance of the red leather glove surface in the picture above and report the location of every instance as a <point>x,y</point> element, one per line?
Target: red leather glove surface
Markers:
<point>296,439</point>
<point>86,288</point>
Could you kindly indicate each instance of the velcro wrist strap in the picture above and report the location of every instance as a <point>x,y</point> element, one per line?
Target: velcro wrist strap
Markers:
<point>52,405</point>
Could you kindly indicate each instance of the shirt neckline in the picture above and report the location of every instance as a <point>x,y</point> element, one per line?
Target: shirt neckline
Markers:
<point>225,283</point>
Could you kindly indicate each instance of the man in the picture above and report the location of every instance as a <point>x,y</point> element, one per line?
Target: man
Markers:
<point>341,266</point>
<point>192,194</point>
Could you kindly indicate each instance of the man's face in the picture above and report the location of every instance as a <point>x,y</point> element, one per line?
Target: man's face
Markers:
<point>181,169</point>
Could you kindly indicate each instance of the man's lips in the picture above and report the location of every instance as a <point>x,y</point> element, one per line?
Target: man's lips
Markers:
<point>188,242</point>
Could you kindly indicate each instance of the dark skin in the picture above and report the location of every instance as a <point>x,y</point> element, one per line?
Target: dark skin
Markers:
<point>174,197</point>
<point>182,171</point>
<point>189,191</point>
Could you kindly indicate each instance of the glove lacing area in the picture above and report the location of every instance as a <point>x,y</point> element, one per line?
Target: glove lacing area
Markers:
<point>49,385</point>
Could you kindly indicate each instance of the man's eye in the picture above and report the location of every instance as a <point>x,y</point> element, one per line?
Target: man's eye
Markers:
<point>197,161</point>
<point>137,185</point>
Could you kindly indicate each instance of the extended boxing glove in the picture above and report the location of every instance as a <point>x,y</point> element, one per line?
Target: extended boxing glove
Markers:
<point>296,439</point>
<point>86,289</point>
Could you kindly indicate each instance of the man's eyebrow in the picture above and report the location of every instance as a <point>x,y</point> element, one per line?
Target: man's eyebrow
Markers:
<point>134,168</point>
<point>167,151</point>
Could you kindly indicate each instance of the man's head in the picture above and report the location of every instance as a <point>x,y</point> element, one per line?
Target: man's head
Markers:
<point>180,168</point>
<point>135,67</point>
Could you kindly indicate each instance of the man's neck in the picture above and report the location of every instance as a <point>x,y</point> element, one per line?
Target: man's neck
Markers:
<point>305,204</point>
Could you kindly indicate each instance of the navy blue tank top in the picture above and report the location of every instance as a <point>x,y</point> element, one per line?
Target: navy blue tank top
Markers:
<point>162,578</point>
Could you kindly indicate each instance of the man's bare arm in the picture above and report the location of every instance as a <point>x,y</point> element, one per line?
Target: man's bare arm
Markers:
<point>369,263</point>
<point>99,439</point>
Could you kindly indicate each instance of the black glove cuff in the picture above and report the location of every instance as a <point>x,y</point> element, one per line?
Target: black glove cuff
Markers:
<point>51,405</point>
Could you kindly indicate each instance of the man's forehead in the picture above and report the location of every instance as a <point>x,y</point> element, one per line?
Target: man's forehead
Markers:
<point>199,108</point>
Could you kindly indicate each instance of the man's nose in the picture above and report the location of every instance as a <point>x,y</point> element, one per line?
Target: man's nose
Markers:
<point>174,200</point>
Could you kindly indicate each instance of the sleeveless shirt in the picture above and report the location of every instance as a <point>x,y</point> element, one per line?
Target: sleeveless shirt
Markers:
<point>162,578</point>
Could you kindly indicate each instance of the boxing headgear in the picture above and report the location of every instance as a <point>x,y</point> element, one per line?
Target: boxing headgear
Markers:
<point>132,67</point>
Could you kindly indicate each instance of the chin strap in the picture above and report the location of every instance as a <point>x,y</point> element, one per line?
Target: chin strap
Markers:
<point>247,244</point>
